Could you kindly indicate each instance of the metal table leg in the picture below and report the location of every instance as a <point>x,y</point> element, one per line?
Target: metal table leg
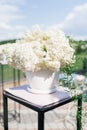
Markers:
<point>19,115</point>
<point>5,112</point>
<point>79,113</point>
<point>40,120</point>
<point>1,92</point>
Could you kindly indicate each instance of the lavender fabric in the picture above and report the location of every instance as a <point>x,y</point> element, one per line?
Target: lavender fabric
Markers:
<point>39,99</point>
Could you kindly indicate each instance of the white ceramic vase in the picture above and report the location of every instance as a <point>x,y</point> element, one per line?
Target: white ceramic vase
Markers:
<point>43,81</point>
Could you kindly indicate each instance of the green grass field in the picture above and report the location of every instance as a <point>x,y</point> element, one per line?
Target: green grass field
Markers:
<point>10,73</point>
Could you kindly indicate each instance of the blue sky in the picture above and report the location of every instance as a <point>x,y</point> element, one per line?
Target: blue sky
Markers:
<point>17,16</point>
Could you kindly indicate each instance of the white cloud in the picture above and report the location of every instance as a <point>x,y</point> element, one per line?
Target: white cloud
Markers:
<point>4,26</point>
<point>10,32</point>
<point>18,2</point>
<point>70,16</point>
<point>75,23</point>
<point>9,14</point>
<point>7,7</point>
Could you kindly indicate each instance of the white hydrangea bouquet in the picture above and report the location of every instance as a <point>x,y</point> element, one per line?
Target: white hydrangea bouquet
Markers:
<point>40,54</point>
<point>48,49</point>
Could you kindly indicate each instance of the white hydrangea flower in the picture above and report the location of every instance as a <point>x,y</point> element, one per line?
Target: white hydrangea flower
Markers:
<point>48,49</point>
